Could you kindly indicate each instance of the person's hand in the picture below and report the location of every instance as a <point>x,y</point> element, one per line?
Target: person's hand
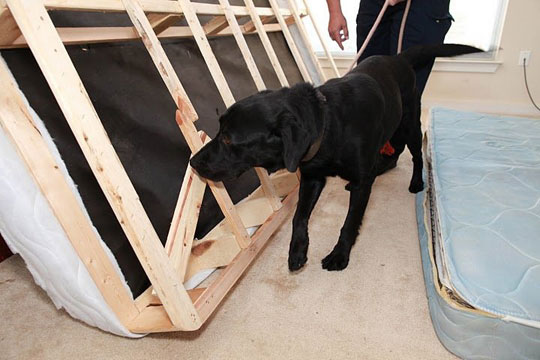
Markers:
<point>394,2</point>
<point>337,28</point>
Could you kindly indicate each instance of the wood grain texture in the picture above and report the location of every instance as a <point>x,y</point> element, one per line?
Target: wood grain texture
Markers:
<point>305,37</point>
<point>18,124</point>
<point>52,57</point>
<point>154,318</point>
<point>161,22</point>
<point>90,35</point>
<point>269,49</point>
<point>290,41</point>
<point>215,25</point>
<point>153,6</point>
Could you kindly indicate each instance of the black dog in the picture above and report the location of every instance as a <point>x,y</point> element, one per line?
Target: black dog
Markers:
<point>335,129</point>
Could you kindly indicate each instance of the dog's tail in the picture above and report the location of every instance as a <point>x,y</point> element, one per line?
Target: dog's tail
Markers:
<point>421,55</point>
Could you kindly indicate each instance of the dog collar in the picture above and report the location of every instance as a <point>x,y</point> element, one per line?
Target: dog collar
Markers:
<point>314,148</point>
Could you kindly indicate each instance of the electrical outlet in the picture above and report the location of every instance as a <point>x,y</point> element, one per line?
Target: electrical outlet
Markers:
<point>524,55</point>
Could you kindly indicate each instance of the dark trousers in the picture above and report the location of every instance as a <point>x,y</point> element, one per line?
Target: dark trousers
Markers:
<point>427,23</point>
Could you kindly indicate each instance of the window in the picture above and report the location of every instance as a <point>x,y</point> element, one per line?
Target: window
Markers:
<point>478,23</point>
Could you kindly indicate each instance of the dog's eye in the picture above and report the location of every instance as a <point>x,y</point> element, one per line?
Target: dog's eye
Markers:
<point>226,140</point>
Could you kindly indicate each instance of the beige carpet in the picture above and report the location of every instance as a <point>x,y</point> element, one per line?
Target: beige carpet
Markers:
<point>375,309</point>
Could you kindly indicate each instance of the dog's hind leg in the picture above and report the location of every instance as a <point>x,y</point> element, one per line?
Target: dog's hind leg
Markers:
<point>398,142</point>
<point>310,190</point>
<point>338,259</point>
<point>414,143</point>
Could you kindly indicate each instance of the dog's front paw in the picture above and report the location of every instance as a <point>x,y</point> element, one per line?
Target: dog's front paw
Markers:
<point>336,260</point>
<point>297,260</point>
<point>416,186</point>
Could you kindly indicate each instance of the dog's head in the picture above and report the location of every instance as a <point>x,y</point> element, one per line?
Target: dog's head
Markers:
<point>271,129</point>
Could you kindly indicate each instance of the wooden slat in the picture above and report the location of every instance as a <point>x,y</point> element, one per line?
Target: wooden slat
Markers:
<point>89,35</point>
<point>148,297</point>
<point>154,318</point>
<point>307,41</point>
<point>212,253</point>
<point>56,66</point>
<point>184,221</point>
<point>219,79</point>
<point>185,114</point>
<point>215,25</point>
<point>284,183</point>
<point>259,83</point>
<point>266,42</point>
<point>218,190</point>
<point>253,210</point>
<point>9,31</point>
<point>18,124</point>
<point>151,6</point>
<point>217,248</point>
<point>149,38</point>
<point>322,39</point>
<point>250,26</point>
<point>161,22</point>
<point>242,45</point>
<point>206,51</point>
<point>290,41</point>
<point>268,188</point>
<point>211,298</point>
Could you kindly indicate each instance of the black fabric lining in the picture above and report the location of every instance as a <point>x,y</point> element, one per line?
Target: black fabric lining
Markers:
<point>138,114</point>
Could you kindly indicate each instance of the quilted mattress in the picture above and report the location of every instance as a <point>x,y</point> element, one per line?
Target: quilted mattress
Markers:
<point>479,228</point>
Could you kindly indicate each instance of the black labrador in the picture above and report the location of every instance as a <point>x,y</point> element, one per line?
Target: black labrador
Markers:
<point>334,129</point>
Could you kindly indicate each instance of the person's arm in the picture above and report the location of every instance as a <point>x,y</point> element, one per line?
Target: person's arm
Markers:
<point>337,25</point>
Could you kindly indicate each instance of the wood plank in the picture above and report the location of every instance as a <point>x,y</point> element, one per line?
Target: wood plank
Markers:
<point>211,298</point>
<point>52,57</point>
<point>223,87</point>
<point>150,320</point>
<point>18,124</point>
<point>184,221</point>
<point>242,45</point>
<point>212,253</point>
<point>216,248</point>
<point>206,51</point>
<point>250,26</point>
<point>153,6</point>
<point>290,41</point>
<point>215,25</point>
<point>154,318</point>
<point>161,22</point>
<point>218,190</point>
<point>9,31</point>
<point>253,210</point>
<point>266,42</point>
<point>305,37</point>
<point>89,35</point>
<point>267,186</point>
<point>164,66</point>
<point>185,114</point>
<point>322,39</point>
<point>148,297</point>
<point>250,210</point>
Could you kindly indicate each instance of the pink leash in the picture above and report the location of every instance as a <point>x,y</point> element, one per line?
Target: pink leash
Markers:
<point>374,28</point>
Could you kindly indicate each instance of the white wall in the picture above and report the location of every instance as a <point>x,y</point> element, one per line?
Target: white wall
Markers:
<point>502,91</point>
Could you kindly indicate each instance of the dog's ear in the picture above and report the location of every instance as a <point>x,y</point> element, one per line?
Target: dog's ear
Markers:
<point>296,139</point>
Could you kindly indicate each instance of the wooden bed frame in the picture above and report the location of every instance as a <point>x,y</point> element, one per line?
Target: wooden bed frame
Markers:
<point>166,305</point>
